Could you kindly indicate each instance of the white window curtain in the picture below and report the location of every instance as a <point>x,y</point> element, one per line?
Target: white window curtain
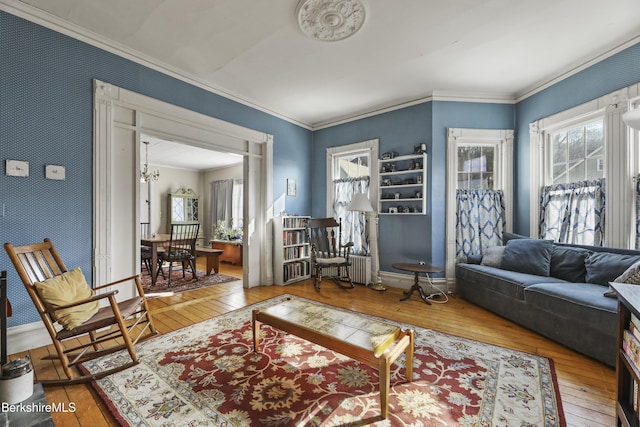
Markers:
<point>574,213</point>
<point>237,204</point>
<point>221,203</point>
<point>354,224</point>
<point>480,220</point>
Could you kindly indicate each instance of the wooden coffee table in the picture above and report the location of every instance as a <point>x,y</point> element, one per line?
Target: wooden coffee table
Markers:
<point>416,269</point>
<point>372,342</point>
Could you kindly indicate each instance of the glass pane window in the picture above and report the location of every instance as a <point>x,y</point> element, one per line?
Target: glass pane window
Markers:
<point>351,166</point>
<point>476,167</point>
<point>578,153</point>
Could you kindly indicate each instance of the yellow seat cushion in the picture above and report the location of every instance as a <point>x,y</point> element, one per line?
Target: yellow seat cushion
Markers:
<point>64,289</point>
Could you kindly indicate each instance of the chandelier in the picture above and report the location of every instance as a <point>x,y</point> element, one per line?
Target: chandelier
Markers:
<point>145,174</point>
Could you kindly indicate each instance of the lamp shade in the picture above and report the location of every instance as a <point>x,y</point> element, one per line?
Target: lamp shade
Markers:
<point>632,118</point>
<point>360,203</point>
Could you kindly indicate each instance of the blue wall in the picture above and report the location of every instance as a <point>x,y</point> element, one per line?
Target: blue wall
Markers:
<point>410,238</point>
<point>46,117</point>
<point>611,74</point>
<point>46,103</point>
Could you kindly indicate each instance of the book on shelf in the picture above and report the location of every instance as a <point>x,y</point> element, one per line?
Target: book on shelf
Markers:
<point>631,347</point>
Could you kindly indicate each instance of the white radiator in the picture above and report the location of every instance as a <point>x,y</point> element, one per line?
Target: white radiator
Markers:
<point>360,269</point>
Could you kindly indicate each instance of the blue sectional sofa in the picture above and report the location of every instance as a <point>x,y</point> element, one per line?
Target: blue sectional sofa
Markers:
<point>557,290</point>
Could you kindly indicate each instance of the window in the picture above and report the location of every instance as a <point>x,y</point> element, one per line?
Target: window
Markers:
<point>350,171</point>
<point>476,167</point>
<point>578,157</point>
<point>479,190</point>
<point>573,198</point>
<point>577,153</point>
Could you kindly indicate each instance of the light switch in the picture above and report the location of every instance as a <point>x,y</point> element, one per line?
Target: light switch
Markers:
<point>56,172</point>
<point>17,168</point>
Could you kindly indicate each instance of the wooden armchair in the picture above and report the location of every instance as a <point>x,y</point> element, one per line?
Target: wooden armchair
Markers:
<point>89,331</point>
<point>327,253</point>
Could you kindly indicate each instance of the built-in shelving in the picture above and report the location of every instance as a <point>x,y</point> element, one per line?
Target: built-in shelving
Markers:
<point>290,250</point>
<point>403,185</point>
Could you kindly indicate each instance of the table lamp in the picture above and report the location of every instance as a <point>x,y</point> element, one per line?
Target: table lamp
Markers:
<point>360,203</point>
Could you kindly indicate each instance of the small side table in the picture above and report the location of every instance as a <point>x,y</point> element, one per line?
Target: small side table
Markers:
<point>416,269</point>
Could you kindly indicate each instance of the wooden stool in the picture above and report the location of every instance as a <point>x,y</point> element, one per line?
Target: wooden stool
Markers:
<point>212,255</point>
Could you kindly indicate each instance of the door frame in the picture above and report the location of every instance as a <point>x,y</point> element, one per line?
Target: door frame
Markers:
<point>120,117</point>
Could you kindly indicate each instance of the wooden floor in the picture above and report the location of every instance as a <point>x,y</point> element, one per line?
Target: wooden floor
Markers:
<point>587,387</point>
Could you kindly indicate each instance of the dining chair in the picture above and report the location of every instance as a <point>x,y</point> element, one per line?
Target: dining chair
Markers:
<point>327,253</point>
<point>86,329</point>
<point>181,249</point>
<point>145,251</point>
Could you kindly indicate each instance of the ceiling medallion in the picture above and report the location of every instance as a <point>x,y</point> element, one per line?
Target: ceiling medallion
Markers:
<point>330,20</point>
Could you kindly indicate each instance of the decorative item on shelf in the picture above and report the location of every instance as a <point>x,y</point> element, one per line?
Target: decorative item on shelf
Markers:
<point>360,203</point>
<point>392,167</point>
<point>388,155</point>
<point>386,182</point>
<point>420,148</point>
<point>419,179</point>
<point>393,209</point>
<point>147,175</point>
<point>396,195</point>
<point>418,194</point>
<point>406,209</point>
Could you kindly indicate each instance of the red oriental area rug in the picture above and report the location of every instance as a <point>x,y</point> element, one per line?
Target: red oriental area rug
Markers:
<point>182,284</point>
<point>208,374</point>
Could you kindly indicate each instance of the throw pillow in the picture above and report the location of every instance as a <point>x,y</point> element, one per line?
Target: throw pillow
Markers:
<point>631,276</point>
<point>604,267</point>
<point>531,256</point>
<point>492,256</point>
<point>567,263</point>
<point>67,288</point>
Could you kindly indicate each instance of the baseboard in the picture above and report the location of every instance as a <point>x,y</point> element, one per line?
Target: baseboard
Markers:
<point>405,281</point>
<point>26,337</point>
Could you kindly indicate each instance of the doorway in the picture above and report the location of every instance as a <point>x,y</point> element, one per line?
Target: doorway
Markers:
<point>120,118</point>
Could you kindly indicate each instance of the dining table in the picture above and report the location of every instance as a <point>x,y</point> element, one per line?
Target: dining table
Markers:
<point>154,241</point>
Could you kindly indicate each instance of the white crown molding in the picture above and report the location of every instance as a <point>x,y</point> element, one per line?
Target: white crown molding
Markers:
<point>542,85</point>
<point>480,97</point>
<point>54,23</point>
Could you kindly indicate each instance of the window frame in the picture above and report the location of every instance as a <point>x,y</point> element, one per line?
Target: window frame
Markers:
<point>619,158</point>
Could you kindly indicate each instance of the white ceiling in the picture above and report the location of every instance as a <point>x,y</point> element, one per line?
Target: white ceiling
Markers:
<point>407,51</point>
<point>175,154</point>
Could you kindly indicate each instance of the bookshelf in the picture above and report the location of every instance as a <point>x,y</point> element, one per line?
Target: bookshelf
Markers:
<point>628,360</point>
<point>290,250</point>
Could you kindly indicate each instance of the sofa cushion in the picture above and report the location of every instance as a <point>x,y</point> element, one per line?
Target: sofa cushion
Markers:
<point>505,282</point>
<point>630,277</point>
<point>568,263</point>
<point>604,267</point>
<point>582,301</point>
<point>530,256</point>
<point>492,256</point>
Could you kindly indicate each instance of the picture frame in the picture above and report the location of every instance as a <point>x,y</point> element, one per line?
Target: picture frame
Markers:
<point>292,189</point>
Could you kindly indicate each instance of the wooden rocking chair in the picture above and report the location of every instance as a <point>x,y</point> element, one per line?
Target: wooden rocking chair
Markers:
<point>102,330</point>
<point>327,253</point>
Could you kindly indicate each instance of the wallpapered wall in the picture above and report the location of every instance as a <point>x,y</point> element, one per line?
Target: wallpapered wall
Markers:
<point>46,118</point>
<point>46,105</point>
